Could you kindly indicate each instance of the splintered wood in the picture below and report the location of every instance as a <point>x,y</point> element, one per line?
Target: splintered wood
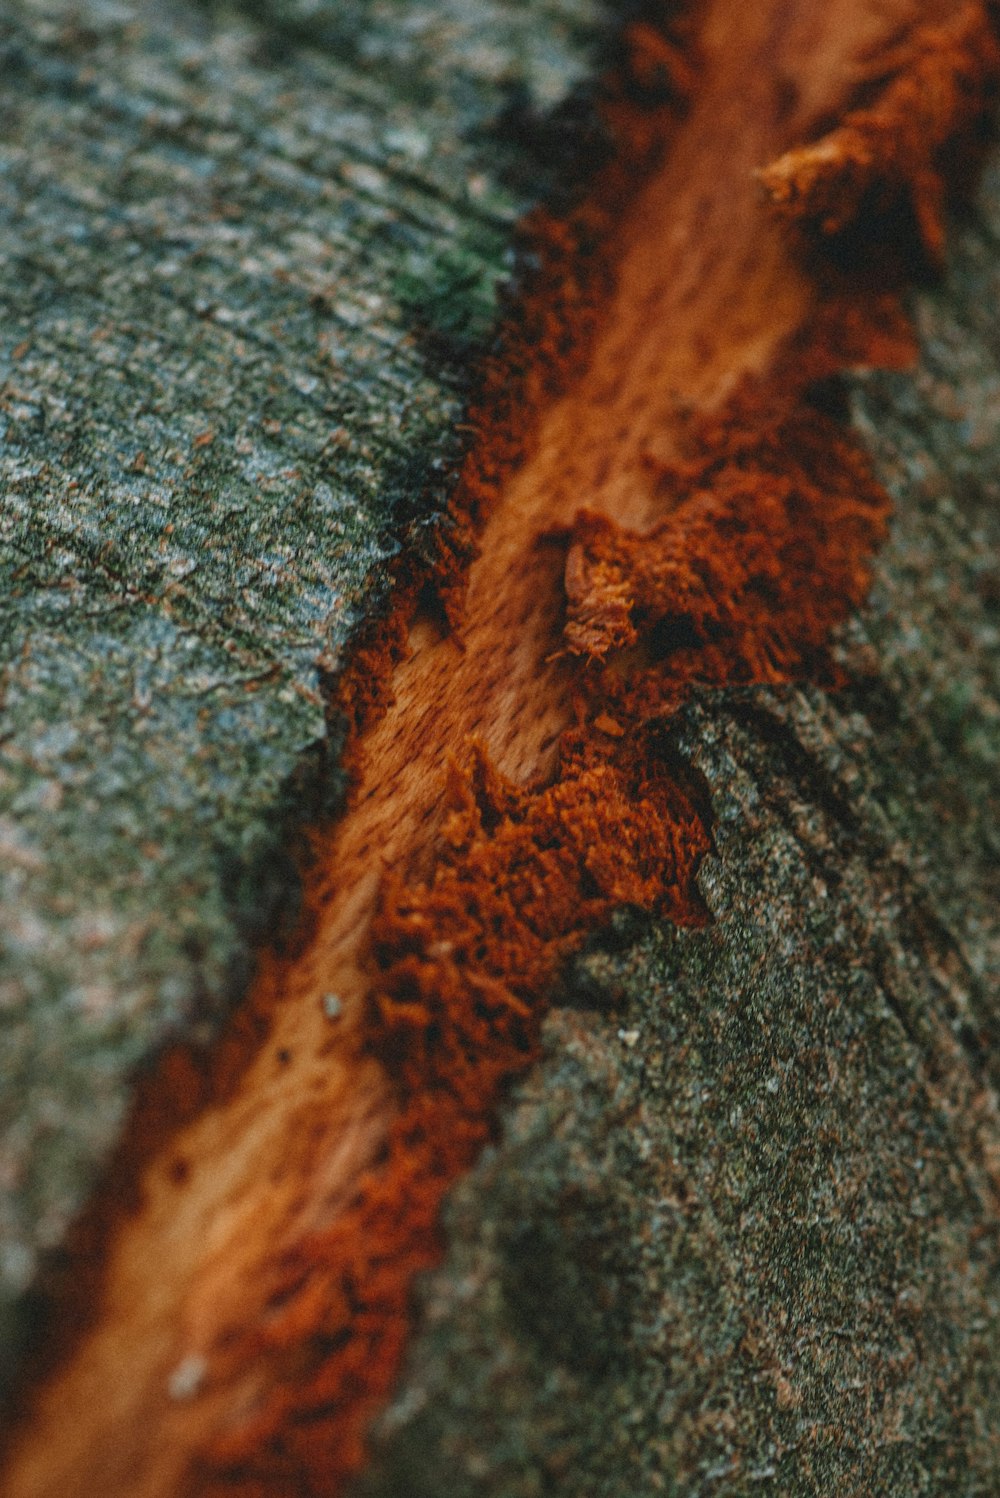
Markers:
<point>689,510</point>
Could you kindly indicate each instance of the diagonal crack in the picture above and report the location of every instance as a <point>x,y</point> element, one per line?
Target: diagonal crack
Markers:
<point>685,512</point>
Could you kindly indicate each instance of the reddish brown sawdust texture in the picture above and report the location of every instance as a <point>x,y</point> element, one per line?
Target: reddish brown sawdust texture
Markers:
<point>927,85</point>
<point>688,513</point>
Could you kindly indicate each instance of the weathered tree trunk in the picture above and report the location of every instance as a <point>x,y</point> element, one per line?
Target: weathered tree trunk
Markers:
<point>738,1229</point>
<point>219,243</point>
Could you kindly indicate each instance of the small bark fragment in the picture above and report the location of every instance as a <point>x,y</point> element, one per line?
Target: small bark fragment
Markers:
<point>931,90</point>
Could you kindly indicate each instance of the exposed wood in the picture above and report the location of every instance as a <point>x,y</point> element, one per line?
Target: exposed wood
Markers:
<point>225,247</point>
<point>223,1292</point>
<point>708,290</point>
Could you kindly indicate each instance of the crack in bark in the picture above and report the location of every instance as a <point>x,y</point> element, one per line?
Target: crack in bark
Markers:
<point>727,527</point>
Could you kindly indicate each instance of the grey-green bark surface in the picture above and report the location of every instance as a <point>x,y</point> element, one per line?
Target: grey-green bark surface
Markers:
<point>740,1234</point>
<point>218,237</point>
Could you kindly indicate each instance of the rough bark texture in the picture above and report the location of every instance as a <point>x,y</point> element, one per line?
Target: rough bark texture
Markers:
<point>739,1233</point>
<point>220,240</point>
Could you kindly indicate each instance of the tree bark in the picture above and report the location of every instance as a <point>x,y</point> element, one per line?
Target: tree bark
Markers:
<point>738,1229</point>
<point>739,1232</point>
<point>226,249</point>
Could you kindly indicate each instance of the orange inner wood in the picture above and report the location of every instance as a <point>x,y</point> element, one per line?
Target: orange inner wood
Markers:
<point>686,513</point>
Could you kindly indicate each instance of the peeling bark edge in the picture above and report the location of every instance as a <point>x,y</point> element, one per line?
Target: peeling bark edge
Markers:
<point>564,1350</point>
